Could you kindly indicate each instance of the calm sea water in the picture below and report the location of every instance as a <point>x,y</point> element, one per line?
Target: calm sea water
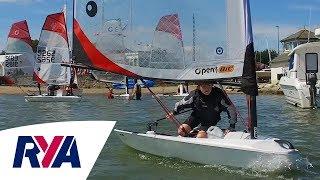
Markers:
<point>117,161</point>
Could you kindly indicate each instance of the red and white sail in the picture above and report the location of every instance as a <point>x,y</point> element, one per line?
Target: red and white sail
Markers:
<point>19,40</point>
<point>162,53</point>
<point>52,50</point>
<point>167,46</point>
<point>19,59</point>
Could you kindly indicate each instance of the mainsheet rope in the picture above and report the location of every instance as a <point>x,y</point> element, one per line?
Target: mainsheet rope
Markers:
<point>168,112</point>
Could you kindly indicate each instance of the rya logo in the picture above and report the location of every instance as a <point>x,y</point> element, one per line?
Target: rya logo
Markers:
<point>60,150</point>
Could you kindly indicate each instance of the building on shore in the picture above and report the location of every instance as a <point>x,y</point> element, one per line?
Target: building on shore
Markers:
<point>279,65</point>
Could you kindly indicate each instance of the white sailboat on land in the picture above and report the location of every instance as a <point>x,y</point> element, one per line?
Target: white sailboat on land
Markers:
<point>235,58</point>
<point>52,51</point>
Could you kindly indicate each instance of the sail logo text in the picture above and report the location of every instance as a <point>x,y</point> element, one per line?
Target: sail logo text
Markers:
<point>204,71</point>
<point>220,69</point>
<point>61,150</point>
<point>226,69</point>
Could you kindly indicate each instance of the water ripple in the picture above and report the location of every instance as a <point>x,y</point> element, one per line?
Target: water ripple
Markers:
<point>276,118</point>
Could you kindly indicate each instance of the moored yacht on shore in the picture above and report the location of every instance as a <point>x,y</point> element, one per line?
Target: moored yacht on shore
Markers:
<point>301,84</point>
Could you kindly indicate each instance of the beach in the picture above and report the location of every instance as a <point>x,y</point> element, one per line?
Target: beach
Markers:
<point>20,90</point>
<point>264,89</point>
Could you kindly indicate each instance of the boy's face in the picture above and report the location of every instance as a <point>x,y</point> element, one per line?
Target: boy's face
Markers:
<point>206,88</point>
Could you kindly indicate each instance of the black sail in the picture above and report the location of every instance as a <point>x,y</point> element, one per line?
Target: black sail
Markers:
<point>249,81</point>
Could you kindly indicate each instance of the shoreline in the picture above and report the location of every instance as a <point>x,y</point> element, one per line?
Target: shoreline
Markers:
<point>264,89</point>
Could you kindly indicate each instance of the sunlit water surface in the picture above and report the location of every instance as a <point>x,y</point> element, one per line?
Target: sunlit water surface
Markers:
<point>117,161</point>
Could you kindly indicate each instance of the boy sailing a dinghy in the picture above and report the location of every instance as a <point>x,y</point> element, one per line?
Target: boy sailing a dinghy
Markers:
<point>207,102</point>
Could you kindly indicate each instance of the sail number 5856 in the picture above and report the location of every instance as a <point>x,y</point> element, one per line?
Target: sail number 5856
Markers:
<point>46,56</point>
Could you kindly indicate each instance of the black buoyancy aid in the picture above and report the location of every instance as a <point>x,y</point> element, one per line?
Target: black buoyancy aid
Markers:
<point>207,108</point>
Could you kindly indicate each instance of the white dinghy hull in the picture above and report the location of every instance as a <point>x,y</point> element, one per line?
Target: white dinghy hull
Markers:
<point>235,150</point>
<point>44,98</point>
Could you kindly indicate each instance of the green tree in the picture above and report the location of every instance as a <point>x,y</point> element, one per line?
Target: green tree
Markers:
<point>35,43</point>
<point>263,56</point>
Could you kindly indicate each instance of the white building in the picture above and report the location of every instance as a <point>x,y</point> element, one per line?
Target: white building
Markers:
<point>279,65</point>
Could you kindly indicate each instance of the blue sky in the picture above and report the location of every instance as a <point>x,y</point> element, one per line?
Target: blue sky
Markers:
<point>290,15</point>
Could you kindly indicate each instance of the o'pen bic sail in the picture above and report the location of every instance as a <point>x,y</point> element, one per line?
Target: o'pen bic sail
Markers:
<point>85,51</point>
<point>19,58</point>
<point>160,53</point>
<point>52,51</point>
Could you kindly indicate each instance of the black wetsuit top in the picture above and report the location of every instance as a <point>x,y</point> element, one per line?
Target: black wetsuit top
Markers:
<point>206,108</point>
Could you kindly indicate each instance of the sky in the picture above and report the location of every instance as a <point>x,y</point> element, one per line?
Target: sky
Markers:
<point>289,15</point>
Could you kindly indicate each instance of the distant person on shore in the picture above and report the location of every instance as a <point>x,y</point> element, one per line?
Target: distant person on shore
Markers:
<point>39,88</point>
<point>136,92</point>
<point>109,94</point>
<point>181,86</point>
<point>206,102</point>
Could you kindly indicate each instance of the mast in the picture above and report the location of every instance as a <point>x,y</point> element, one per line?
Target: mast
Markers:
<point>252,95</point>
<point>252,113</point>
<point>131,16</point>
<point>269,53</point>
<point>183,51</point>
<point>249,82</point>
<point>72,70</point>
<point>194,39</point>
<point>72,35</point>
<point>309,25</point>
<point>260,57</point>
<point>64,10</point>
